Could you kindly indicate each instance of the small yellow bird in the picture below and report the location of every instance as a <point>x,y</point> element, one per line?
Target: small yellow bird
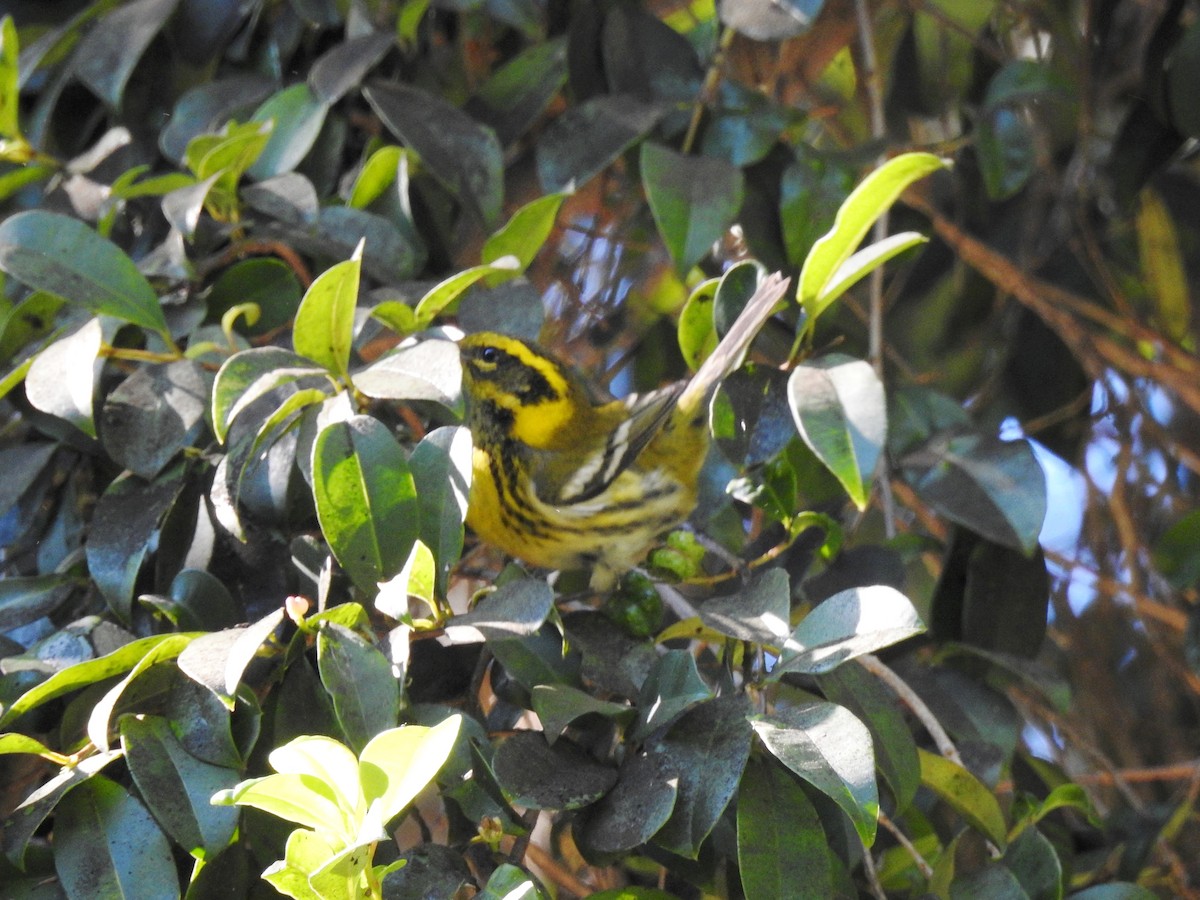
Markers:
<point>563,481</point>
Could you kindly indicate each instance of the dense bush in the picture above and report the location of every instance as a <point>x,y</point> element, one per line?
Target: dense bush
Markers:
<point>245,633</point>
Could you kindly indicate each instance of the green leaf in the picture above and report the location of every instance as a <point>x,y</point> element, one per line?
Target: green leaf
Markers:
<point>10,126</point>
<point>269,284</point>
<point>396,764</point>
<point>107,55</point>
<point>100,720</point>
<point>586,138</point>
<point>517,93</point>
<point>341,68</point>
<point>810,192</point>
<point>443,296</point>
<point>62,379</point>
<point>462,154</point>
<point>1163,264</point>
<point>758,613</point>
<point>126,518</point>
<point>83,674</point>
<point>876,706</point>
<point>515,609</point>
<point>993,487</point>
<point>524,234</point>
<point>694,199</point>
<point>966,794</point>
<point>303,799</point>
<point>107,845</point>
<point>1035,863</point>
<point>673,685</point>
<point>866,261</point>
<point>540,776</point>
<point>359,681</point>
<point>177,786</point>
<point>848,624</point>
<point>708,746</point>
<point>779,836</point>
<point>327,760</point>
<point>247,376</point>
<point>630,814</point>
<point>441,468</point>
<point>509,881</point>
<point>558,705</point>
<point>297,114</point>
<point>154,414</point>
<point>26,599</point>
<point>59,254</point>
<point>377,174</point>
<point>695,331</point>
<point>857,214</point>
<point>324,327</point>
<point>366,501</point>
<point>21,825</point>
<point>1117,890</point>
<point>827,746</point>
<point>839,408</point>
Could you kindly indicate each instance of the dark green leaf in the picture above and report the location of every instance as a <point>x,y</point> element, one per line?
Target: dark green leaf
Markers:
<point>779,836</point>
<point>206,107</point>
<point>758,613</point>
<point>558,705</point>
<point>59,254</point>
<point>587,138</point>
<point>217,661</point>
<point>1035,863</point>
<point>390,253</point>
<point>341,68</point>
<point>992,881</point>
<point>827,746</point>
<point>153,414</point>
<point>510,881</point>
<point>839,409</point>
<point>247,376</point>
<point>106,57</point>
<point>366,500</point>
<point>197,601</point>
<point>672,687</point>
<point>513,610</point>
<point>100,722</point>
<point>27,818</point>
<point>127,516</point>
<point>359,680</point>
<point>441,467</point>
<point>708,747</point>
<point>22,600</point>
<point>876,706</point>
<point>1183,74</point>
<point>810,193</point>
<point>462,154</point>
<point>268,283</point>
<point>541,776</point>
<point>694,199</point>
<point>630,814</point>
<point>991,486</point>
<point>107,845</point>
<point>517,93</point>
<point>177,786</point>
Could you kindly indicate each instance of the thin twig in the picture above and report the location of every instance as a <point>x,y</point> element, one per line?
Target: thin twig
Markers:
<point>909,697</point>
<point>903,841</point>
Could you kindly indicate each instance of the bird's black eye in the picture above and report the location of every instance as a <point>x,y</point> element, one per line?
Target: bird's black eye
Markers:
<point>489,355</point>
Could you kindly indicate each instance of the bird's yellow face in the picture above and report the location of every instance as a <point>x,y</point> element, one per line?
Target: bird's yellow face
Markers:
<point>514,390</point>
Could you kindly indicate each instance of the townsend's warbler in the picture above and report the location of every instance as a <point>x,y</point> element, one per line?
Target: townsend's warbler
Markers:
<point>565,482</point>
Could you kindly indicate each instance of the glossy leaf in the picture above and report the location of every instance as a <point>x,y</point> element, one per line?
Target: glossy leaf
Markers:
<point>126,517</point>
<point>586,138</point>
<point>515,609</point>
<point>177,786</point>
<point>779,836</point>
<point>100,721</point>
<point>462,154</point>
<point>108,845</point>
<point>324,325</point>
<point>694,199</point>
<point>26,599</point>
<point>441,467</point>
<point>965,794</point>
<point>297,115</point>
<point>759,612</point>
<point>396,764</point>
<point>62,379</point>
<point>524,233</point>
<point>857,214</point>
<point>247,376</point>
<point>848,624</point>
<point>993,487</point>
<point>9,98</point>
<point>359,680</point>
<point>827,746</point>
<point>153,414</point>
<point>59,254</point>
<point>558,705</point>
<point>445,295</point>
<point>517,92</point>
<point>106,57</point>
<point>1163,265</point>
<point>638,805</point>
<point>708,746</point>
<point>535,774</point>
<point>672,686</point>
<point>342,67</point>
